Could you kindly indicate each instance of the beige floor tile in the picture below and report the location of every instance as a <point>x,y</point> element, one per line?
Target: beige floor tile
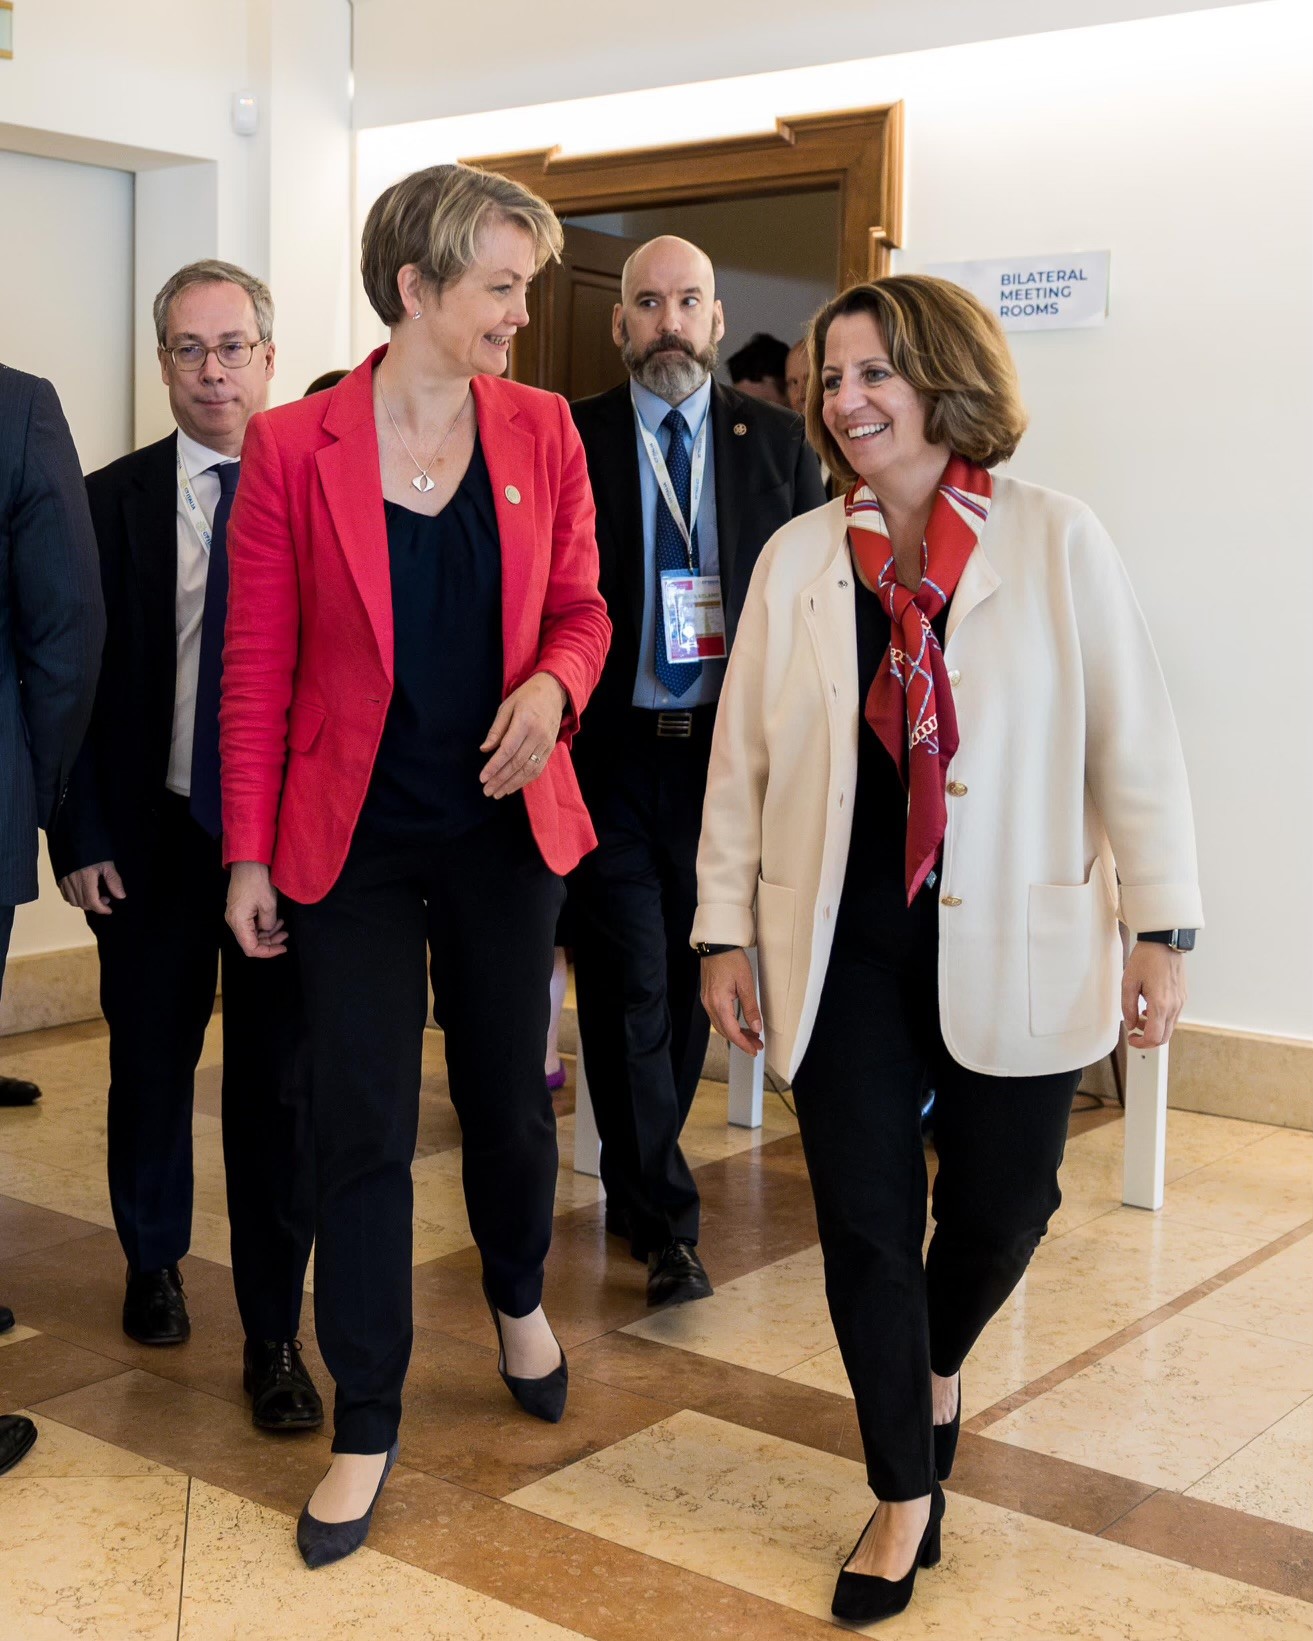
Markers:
<point>244,1579</point>
<point>1092,1168</point>
<point>708,1135</point>
<point>1262,1190</point>
<point>1080,1289</point>
<point>80,1195</point>
<point>62,1453</point>
<point>776,1519</point>
<point>1272,1477</point>
<point>17,1333</point>
<point>1169,1406</point>
<point>92,1541</point>
<point>1276,1297</point>
<point>73,1140</point>
<point>770,1320</point>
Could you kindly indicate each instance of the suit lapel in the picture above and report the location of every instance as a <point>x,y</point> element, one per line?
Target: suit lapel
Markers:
<point>353,489</point>
<point>978,580</point>
<point>617,491</point>
<point>733,457</point>
<point>150,523</point>
<point>510,452</point>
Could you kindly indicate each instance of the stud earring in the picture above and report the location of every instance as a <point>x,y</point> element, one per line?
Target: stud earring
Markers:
<point>418,311</point>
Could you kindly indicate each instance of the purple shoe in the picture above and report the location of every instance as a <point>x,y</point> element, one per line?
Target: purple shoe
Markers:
<point>556,1079</point>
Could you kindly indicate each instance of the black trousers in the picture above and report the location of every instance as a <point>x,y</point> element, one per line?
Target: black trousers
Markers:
<point>160,953</point>
<point>875,1049</point>
<point>485,907</point>
<point>6,930</point>
<point>643,1029</point>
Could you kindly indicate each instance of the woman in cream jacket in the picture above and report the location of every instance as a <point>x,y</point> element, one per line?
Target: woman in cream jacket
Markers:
<point>944,765</point>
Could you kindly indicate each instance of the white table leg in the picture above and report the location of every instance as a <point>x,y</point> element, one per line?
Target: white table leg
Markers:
<point>587,1145</point>
<point>747,1080</point>
<point>1144,1159</point>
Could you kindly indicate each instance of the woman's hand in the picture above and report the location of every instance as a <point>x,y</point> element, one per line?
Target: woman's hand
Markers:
<point>1155,974</point>
<point>523,735</point>
<point>727,986</point>
<point>253,910</point>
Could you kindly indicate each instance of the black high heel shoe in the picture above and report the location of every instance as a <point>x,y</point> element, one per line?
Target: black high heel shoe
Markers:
<point>862,1598</point>
<point>545,1397</point>
<point>323,1542</point>
<point>946,1439</point>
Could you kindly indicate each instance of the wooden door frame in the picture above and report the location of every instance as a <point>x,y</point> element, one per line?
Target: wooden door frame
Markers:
<point>857,152</point>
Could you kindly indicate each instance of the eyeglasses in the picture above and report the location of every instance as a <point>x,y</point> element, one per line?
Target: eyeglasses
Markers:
<point>191,356</point>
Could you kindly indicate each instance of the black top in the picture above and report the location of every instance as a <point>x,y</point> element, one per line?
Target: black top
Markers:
<point>447,665</point>
<point>873,907</point>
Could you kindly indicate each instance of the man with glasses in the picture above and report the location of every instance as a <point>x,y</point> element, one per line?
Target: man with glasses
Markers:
<point>138,848</point>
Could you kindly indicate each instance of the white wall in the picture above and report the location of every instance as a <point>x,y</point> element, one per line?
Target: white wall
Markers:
<point>146,86</point>
<point>45,294</point>
<point>1184,145</point>
<point>414,62</point>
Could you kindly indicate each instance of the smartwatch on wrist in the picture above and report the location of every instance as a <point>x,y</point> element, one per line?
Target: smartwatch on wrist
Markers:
<point>1180,940</point>
<point>705,948</point>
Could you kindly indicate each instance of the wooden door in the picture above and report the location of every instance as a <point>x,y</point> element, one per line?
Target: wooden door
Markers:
<point>567,347</point>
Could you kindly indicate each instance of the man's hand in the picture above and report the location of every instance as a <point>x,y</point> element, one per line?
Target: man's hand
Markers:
<point>253,910</point>
<point>1155,974</point>
<point>94,888</point>
<point>727,986</point>
<point>523,735</point>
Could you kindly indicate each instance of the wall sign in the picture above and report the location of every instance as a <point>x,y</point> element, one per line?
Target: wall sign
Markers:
<point>1063,291</point>
<point>6,28</point>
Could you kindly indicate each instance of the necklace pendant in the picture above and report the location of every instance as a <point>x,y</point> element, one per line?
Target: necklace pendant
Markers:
<point>423,483</point>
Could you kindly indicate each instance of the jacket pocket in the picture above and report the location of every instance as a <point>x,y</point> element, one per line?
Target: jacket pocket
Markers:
<point>1071,934</point>
<point>775,919</point>
<point>303,725</point>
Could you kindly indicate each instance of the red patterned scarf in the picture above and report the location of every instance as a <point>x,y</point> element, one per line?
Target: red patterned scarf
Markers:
<point>910,705</point>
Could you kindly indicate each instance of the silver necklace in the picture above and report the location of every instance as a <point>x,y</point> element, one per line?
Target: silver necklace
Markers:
<point>422,482</point>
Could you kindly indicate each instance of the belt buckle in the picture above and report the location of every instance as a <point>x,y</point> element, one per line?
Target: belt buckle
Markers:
<point>674,726</point>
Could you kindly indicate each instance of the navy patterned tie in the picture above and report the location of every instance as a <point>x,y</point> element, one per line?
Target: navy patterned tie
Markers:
<point>671,553</point>
<point>204,802</point>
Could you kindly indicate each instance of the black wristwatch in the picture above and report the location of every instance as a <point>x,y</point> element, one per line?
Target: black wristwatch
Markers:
<point>1180,940</point>
<point>704,948</point>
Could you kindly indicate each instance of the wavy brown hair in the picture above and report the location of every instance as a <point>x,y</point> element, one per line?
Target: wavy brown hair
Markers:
<point>949,347</point>
<point>432,219</point>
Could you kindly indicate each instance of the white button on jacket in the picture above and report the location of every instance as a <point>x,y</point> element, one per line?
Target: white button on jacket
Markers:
<point>1068,747</point>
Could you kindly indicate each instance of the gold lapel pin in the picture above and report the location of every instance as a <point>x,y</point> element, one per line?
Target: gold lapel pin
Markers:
<point>512,495</point>
<point>740,428</point>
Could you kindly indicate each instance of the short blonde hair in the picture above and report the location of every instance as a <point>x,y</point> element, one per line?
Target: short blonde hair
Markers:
<point>212,272</point>
<point>432,219</point>
<point>949,347</point>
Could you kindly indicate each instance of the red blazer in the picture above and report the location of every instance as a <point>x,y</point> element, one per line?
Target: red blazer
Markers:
<point>307,663</point>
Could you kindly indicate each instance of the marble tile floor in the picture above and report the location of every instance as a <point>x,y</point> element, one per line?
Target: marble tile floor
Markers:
<point>1137,1461</point>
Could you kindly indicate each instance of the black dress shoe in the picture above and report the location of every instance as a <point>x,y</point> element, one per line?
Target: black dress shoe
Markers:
<point>283,1395</point>
<point>323,1542</point>
<point>861,1598</point>
<point>675,1275</point>
<point>17,1438</point>
<point>545,1397</point>
<point>946,1439</point>
<point>14,1091</point>
<point>6,1319</point>
<point>154,1310</point>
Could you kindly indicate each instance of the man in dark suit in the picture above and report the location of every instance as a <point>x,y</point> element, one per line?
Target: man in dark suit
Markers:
<point>138,848</point>
<point>52,625</point>
<point>690,479</point>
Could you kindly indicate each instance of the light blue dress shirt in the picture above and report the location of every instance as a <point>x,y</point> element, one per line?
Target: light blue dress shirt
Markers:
<point>649,691</point>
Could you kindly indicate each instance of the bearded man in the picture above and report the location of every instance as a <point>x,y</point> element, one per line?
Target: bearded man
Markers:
<point>691,479</point>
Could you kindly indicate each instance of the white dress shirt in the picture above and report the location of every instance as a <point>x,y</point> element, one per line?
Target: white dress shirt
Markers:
<point>189,603</point>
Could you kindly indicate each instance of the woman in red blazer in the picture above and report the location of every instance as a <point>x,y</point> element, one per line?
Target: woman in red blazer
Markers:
<point>413,629</point>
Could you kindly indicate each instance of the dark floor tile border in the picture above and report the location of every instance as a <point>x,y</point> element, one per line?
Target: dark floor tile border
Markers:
<point>1216,1539</point>
<point>981,1421</point>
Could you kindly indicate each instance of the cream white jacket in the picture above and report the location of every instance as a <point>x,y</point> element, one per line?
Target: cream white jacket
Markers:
<point>1069,758</point>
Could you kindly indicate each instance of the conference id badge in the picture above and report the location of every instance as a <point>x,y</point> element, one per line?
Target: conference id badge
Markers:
<point>693,617</point>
